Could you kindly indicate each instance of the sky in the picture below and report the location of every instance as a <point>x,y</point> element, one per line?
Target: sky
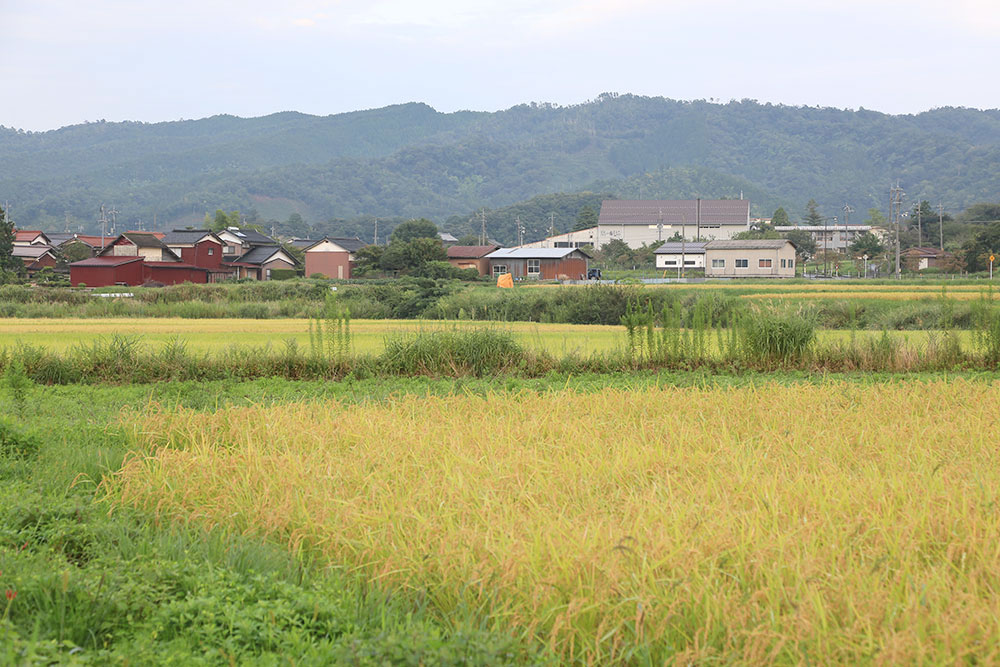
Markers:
<point>64,62</point>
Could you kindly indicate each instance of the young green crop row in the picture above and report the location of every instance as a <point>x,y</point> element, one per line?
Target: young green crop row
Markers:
<point>830,522</point>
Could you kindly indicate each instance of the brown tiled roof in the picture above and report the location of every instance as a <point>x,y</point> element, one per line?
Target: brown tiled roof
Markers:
<point>470,251</point>
<point>674,211</point>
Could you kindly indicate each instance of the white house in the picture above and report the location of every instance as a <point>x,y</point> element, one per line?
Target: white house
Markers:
<point>673,255</point>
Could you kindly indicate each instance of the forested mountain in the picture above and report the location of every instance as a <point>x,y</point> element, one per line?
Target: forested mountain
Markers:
<point>411,161</point>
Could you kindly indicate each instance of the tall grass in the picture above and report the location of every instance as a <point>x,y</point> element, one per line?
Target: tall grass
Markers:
<point>830,523</point>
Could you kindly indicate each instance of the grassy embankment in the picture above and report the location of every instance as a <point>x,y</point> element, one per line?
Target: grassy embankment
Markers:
<point>834,521</point>
<point>752,340</point>
<point>863,304</point>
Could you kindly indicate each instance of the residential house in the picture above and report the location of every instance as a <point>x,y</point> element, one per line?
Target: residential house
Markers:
<point>673,255</point>
<point>35,257</point>
<point>540,263</point>
<point>239,241</point>
<point>332,257</point>
<point>24,237</point>
<point>201,248</point>
<point>750,259</point>
<point>258,262</point>
<point>920,258</point>
<point>471,257</point>
<point>140,244</point>
<point>643,222</point>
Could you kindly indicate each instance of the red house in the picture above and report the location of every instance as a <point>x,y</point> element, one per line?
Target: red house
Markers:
<point>201,248</point>
<point>105,271</point>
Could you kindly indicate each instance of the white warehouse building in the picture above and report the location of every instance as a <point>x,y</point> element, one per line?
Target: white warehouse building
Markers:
<point>643,222</point>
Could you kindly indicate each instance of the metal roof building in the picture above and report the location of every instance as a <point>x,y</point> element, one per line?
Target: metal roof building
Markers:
<point>639,222</point>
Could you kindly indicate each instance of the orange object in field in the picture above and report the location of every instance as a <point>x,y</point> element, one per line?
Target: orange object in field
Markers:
<point>505,280</point>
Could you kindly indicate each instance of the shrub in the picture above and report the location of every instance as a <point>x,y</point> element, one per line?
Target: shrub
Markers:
<point>16,443</point>
<point>767,337</point>
<point>476,352</point>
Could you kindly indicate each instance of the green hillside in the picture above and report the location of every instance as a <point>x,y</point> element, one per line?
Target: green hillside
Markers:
<point>409,160</point>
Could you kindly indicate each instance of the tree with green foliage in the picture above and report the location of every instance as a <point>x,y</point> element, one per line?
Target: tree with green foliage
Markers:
<point>368,260</point>
<point>585,219</point>
<point>421,228</point>
<point>813,216</point>
<point>468,239</point>
<point>222,220</point>
<point>8,263</point>
<point>73,251</point>
<point>757,234</point>
<point>780,218</point>
<point>976,252</point>
<point>866,244</point>
<point>407,256</point>
<point>875,218</point>
<point>805,244</point>
<point>983,212</point>
<point>296,226</point>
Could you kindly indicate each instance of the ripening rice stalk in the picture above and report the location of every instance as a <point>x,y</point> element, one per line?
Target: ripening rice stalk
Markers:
<point>823,523</point>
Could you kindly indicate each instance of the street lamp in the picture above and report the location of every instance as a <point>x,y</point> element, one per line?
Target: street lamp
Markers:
<point>865,257</point>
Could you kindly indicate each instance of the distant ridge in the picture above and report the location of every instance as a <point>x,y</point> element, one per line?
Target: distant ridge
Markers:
<point>409,160</point>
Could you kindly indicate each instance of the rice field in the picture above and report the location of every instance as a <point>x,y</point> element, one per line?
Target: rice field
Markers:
<point>831,522</point>
<point>368,336</point>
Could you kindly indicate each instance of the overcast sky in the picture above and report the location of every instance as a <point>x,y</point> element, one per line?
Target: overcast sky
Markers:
<point>64,62</point>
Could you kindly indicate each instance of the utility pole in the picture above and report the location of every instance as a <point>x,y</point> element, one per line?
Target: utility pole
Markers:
<point>848,209</point>
<point>376,232</point>
<point>552,224</point>
<point>941,223</point>
<point>895,202</point>
<point>920,241</point>
<point>826,238</point>
<point>520,231</point>
<point>681,270</point>
<point>697,232</point>
<point>104,226</point>
<point>114,219</point>
<point>659,227</point>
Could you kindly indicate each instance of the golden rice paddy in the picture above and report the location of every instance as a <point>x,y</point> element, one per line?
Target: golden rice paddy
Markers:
<point>832,523</point>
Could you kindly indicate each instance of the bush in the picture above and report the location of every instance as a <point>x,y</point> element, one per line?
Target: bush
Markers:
<point>476,352</point>
<point>768,337</point>
<point>16,443</point>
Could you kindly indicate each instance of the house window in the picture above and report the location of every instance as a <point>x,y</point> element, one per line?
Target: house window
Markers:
<point>743,264</point>
<point>791,263</point>
<point>783,263</point>
<point>763,264</point>
<point>718,263</point>
<point>688,262</point>
<point>534,266</point>
<point>211,251</point>
<point>499,269</point>
<point>228,250</point>
<point>267,274</point>
<point>670,262</point>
